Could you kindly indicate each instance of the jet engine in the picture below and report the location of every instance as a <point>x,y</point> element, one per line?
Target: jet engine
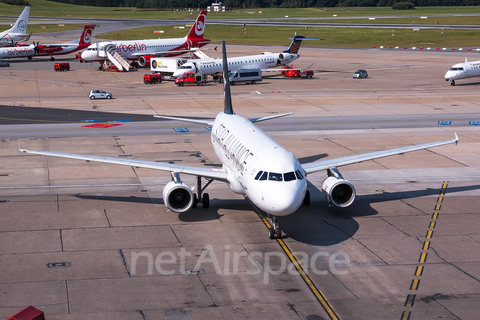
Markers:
<point>177,196</point>
<point>284,56</point>
<point>337,191</point>
<point>144,61</point>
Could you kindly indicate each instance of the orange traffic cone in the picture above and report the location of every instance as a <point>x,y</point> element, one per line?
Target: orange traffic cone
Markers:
<point>321,77</point>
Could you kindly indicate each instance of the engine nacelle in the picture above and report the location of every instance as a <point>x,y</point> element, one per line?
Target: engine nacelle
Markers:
<point>177,196</point>
<point>338,192</point>
<point>284,56</point>
<point>144,61</point>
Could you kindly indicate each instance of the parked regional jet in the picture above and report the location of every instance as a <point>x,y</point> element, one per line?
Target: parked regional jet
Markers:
<point>29,51</point>
<point>16,33</point>
<point>264,61</point>
<point>463,71</point>
<point>254,165</point>
<point>144,50</point>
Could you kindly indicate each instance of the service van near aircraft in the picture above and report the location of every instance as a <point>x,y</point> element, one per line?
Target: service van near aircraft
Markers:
<point>245,75</point>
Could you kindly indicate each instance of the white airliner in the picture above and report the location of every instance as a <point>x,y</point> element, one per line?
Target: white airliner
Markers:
<point>16,33</point>
<point>463,71</point>
<point>144,50</point>
<point>254,165</point>
<point>264,61</point>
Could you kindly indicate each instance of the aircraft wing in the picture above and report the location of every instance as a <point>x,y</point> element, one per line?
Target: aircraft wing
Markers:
<point>270,117</point>
<point>211,173</point>
<point>330,163</point>
<point>199,121</point>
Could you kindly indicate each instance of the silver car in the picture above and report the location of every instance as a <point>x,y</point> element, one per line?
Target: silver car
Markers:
<point>99,94</point>
<point>360,74</point>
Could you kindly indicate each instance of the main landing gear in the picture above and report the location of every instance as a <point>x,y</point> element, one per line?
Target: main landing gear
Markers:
<point>198,197</point>
<point>275,232</point>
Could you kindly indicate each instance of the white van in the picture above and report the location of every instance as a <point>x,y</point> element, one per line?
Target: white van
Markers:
<point>245,75</point>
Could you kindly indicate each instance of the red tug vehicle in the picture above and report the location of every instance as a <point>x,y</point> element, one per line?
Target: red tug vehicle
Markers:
<point>296,73</point>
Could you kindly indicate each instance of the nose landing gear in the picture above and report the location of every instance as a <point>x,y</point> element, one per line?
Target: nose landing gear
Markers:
<point>275,232</point>
<point>452,82</point>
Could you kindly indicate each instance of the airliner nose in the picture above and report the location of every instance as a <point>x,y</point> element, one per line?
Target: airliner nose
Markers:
<point>284,201</point>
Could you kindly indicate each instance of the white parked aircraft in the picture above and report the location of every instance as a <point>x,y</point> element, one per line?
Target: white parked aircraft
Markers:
<point>264,61</point>
<point>144,50</point>
<point>16,33</point>
<point>463,71</point>
<point>254,165</point>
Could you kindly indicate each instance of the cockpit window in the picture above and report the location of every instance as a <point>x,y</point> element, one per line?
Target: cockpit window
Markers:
<point>185,67</point>
<point>299,175</point>
<point>289,176</point>
<point>275,176</point>
<point>264,176</point>
<point>456,68</point>
<point>258,175</point>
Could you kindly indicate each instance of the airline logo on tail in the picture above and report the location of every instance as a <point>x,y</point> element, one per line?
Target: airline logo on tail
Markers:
<point>295,45</point>
<point>198,28</point>
<point>86,36</point>
<point>22,25</point>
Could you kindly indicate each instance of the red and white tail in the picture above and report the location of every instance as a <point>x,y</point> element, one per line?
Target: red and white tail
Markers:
<point>198,28</point>
<point>86,36</point>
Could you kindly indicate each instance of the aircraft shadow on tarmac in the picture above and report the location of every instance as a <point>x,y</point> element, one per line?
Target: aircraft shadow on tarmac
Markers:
<point>467,84</point>
<point>316,224</point>
<point>322,225</point>
<point>34,115</point>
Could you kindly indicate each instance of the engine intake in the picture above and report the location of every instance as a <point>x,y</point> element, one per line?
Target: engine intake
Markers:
<point>144,61</point>
<point>338,192</point>
<point>177,196</point>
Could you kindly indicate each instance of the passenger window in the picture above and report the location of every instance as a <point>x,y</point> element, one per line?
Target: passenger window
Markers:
<point>264,176</point>
<point>299,175</point>
<point>289,176</point>
<point>275,176</point>
<point>258,175</point>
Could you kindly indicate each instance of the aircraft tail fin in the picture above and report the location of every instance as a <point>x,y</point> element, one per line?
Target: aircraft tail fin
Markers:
<point>20,25</point>
<point>227,107</point>
<point>198,28</point>
<point>296,43</point>
<point>86,36</point>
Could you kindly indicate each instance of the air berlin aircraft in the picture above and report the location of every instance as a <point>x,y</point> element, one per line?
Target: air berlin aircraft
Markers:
<point>144,50</point>
<point>29,51</point>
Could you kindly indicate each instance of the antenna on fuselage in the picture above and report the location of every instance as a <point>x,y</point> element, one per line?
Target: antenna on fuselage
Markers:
<point>227,103</point>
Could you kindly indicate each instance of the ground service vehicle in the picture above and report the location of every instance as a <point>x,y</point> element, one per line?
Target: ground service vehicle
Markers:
<point>4,64</point>
<point>61,66</point>
<point>295,73</point>
<point>191,78</point>
<point>165,65</point>
<point>78,57</point>
<point>360,74</point>
<point>152,78</point>
<point>99,94</point>
<point>245,75</point>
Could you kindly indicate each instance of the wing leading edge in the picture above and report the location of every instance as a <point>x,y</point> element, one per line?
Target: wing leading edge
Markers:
<point>330,163</point>
<point>211,173</point>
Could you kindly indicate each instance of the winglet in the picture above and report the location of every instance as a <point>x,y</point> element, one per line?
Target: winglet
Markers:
<point>456,139</point>
<point>227,103</point>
